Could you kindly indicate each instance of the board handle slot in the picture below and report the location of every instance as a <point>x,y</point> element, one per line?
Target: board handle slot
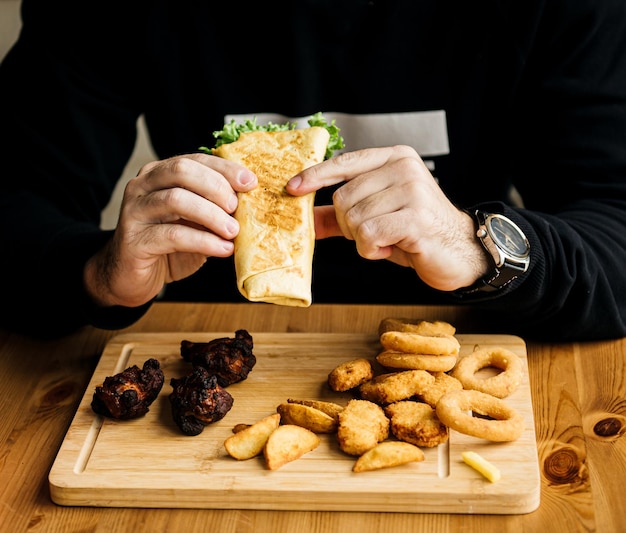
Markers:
<point>96,425</point>
<point>443,459</point>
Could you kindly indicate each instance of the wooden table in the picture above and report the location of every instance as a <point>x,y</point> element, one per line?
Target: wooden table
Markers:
<point>579,403</point>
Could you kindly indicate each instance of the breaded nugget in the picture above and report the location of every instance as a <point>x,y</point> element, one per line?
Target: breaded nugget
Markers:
<point>395,386</point>
<point>362,425</point>
<point>416,423</point>
<point>443,383</point>
<point>350,374</point>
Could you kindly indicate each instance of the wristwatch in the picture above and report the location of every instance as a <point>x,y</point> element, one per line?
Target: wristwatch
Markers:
<point>506,244</point>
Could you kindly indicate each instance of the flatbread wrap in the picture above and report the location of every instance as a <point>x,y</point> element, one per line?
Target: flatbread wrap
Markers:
<point>275,245</point>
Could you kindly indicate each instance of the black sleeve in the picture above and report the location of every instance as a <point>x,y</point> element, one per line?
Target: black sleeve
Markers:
<point>569,164</point>
<point>68,130</point>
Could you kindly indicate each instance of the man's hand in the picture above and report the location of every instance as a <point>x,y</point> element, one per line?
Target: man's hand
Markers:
<point>393,208</point>
<point>174,214</point>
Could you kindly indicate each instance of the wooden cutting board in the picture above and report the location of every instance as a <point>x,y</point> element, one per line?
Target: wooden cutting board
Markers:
<point>148,462</point>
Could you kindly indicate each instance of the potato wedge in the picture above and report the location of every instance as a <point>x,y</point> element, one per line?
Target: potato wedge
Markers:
<point>332,409</point>
<point>387,454</point>
<point>250,441</point>
<point>308,417</point>
<point>287,443</point>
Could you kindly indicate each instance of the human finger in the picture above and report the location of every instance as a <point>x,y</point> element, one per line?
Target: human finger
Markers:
<point>346,167</point>
<point>156,240</point>
<point>386,190</point>
<point>326,222</point>
<point>181,206</point>
<point>211,177</point>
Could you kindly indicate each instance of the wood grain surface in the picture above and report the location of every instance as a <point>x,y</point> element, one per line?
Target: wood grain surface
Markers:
<point>148,462</point>
<point>577,388</point>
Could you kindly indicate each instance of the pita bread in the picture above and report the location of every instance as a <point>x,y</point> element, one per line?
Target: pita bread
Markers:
<point>274,248</point>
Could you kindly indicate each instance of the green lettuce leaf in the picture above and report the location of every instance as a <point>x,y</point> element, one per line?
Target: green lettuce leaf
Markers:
<point>231,132</point>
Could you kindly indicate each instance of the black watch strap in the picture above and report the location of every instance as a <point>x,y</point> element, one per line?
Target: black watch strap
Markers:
<point>509,266</point>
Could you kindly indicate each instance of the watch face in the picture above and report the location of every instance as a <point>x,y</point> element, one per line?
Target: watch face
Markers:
<point>508,236</point>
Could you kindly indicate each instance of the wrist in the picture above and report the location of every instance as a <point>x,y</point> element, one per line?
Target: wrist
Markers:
<point>506,249</point>
<point>479,260</point>
<point>96,280</point>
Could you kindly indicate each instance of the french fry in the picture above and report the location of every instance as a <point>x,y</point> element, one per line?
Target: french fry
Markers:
<point>479,463</point>
<point>387,454</point>
<point>307,417</point>
<point>287,443</point>
<point>250,441</point>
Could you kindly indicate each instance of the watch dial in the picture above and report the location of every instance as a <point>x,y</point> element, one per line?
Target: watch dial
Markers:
<point>508,236</point>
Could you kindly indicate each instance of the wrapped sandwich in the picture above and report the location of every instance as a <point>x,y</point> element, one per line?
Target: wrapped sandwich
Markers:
<point>275,245</point>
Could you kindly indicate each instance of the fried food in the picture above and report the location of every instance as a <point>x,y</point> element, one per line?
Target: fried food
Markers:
<point>414,325</point>
<point>250,441</point>
<point>500,385</point>
<point>443,383</point>
<point>198,400</point>
<point>229,359</point>
<point>362,425</point>
<point>503,423</point>
<point>308,417</point>
<point>330,408</point>
<point>388,454</point>
<point>402,341</point>
<point>395,386</point>
<point>480,464</point>
<point>287,443</point>
<point>412,361</point>
<point>129,393</point>
<point>350,374</point>
<point>416,423</point>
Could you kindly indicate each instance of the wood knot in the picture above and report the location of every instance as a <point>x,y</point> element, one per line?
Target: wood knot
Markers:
<point>609,427</point>
<point>565,466</point>
<point>62,393</point>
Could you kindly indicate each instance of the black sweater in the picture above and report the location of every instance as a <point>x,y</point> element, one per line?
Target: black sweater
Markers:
<point>534,95</point>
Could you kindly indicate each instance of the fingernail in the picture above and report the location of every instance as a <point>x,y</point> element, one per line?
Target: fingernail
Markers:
<point>232,203</point>
<point>294,182</point>
<point>246,177</point>
<point>232,226</point>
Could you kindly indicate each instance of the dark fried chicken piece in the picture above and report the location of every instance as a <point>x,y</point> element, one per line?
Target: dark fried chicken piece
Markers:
<point>197,400</point>
<point>129,393</point>
<point>230,359</point>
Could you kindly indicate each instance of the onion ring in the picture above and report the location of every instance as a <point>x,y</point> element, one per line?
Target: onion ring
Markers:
<point>403,341</point>
<point>412,325</point>
<point>414,361</point>
<point>500,385</point>
<point>455,409</point>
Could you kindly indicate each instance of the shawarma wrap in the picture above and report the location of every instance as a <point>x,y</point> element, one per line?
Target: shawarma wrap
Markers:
<point>275,245</point>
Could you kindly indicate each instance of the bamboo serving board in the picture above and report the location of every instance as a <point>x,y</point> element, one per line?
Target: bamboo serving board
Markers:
<point>149,463</point>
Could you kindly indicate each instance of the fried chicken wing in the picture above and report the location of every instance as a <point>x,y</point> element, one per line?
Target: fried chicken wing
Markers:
<point>229,359</point>
<point>198,400</point>
<point>129,393</point>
